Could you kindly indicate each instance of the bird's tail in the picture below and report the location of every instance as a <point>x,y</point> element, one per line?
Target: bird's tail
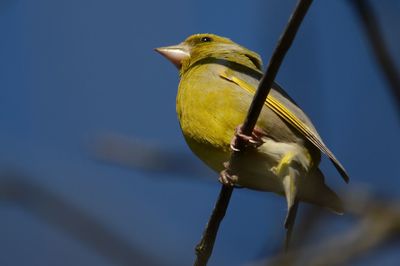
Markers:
<point>314,190</point>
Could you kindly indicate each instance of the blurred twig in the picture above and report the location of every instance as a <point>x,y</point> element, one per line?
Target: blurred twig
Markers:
<point>141,154</point>
<point>378,223</point>
<point>74,221</point>
<point>204,248</point>
<point>370,23</point>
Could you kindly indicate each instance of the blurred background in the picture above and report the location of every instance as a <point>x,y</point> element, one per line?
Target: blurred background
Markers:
<point>93,166</point>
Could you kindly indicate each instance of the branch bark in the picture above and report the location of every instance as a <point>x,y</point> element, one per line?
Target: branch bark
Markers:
<point>204,248</point>
<point>370,24</point>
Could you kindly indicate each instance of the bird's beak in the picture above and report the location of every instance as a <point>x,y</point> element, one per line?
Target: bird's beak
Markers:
<point>176,53</point>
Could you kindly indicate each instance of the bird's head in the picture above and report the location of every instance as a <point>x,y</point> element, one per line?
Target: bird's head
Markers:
<point>200,46</point>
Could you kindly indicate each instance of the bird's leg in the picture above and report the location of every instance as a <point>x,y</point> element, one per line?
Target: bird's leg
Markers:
<point>255,140</point>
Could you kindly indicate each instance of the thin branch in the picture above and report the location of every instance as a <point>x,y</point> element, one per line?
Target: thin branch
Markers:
<point>274,64</point>
<point>143,154</point>
<point>370,23</point>
<point>72,220</point>
<point>204,248</point>
<point>377,225</point>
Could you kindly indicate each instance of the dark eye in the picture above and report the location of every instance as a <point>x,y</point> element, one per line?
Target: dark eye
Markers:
<point>206,39</point>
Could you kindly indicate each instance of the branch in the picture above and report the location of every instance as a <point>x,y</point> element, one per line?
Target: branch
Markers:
<point>381,52</point>
<point>204,248</point>
<point>72,220</point>
<point>377,225</point>
<point>143,154</point>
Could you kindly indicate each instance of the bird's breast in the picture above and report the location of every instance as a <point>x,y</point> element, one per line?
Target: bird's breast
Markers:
<point>209,108</point>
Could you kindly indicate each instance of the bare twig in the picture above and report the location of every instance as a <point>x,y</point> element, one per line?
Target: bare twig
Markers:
<point>274,64</point>
<point>370,23</point>
<point>377,224</point>
<point>143,154</point>
<point>74,221</point>
<point>204,249</point>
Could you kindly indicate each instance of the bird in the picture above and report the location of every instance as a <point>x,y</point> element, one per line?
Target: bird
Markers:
<point>218,80</point>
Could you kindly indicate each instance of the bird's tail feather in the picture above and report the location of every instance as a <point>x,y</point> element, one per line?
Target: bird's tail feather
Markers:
<point>314,190</point>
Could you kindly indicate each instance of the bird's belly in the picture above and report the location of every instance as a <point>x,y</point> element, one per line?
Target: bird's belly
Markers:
<point>259,168</point>
<point>256,166</point>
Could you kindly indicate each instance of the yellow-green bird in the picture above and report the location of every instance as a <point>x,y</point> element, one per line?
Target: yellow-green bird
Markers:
<point>218,79</point>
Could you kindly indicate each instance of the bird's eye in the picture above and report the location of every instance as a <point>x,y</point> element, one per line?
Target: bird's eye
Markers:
<point>206,39</point>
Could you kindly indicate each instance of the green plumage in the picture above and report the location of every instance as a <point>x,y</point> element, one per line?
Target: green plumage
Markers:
<point>218,79</point>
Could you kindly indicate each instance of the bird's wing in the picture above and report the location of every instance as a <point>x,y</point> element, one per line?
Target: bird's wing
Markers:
<point>291,113</point>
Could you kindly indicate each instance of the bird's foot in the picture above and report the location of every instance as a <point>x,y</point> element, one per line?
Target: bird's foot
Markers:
<point>254,141</point>
<point>228,179</point>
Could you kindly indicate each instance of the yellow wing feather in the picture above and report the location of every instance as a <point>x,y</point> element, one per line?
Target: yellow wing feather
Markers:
<point>274,104</point>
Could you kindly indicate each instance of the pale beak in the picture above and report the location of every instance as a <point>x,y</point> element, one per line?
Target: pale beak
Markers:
<point>176,53</point>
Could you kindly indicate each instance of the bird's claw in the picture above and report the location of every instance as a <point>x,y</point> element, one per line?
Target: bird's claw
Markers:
<point>255,140</point>
<point>227,179</point>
